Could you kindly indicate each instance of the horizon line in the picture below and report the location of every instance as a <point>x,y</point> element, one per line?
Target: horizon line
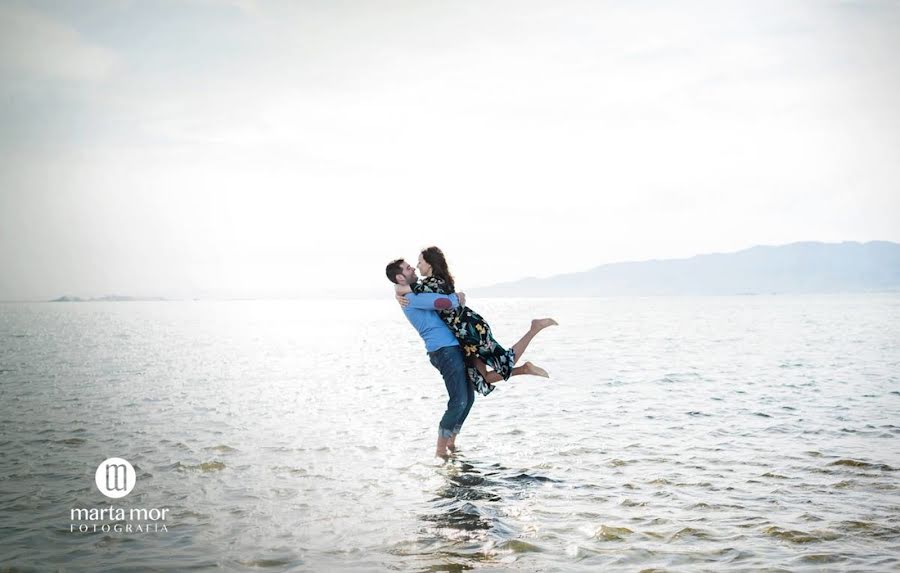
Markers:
<point>350,296</point>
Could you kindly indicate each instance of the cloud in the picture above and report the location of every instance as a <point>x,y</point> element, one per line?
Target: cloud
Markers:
<point>36,46</point>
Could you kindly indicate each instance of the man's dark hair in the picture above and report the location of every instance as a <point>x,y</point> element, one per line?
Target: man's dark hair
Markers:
<point>393,269</point>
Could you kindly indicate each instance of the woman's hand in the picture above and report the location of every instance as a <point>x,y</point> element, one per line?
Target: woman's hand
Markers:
<point>399,291</point>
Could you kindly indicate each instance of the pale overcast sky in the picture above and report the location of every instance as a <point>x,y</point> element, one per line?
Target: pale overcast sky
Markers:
<point>206,148</point>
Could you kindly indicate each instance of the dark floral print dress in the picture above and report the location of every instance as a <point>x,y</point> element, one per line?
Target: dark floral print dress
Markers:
<point>474,336</point>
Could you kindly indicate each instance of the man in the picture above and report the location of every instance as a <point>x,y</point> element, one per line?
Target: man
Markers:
<point>443,351</point>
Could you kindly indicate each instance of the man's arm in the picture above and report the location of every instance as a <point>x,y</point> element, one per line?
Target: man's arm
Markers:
<point>432,301</point>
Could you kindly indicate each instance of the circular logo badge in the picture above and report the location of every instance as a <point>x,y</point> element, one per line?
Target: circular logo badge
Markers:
<point>115,477</point>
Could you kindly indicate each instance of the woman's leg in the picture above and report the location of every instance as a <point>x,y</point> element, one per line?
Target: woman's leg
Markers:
<point>489,376</point>
<point>492,377</point>
<point>537,325</point>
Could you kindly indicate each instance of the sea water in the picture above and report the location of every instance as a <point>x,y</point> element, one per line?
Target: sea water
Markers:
<point>676,433</point>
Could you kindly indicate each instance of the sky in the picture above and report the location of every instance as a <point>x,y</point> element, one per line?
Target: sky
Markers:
<point>204,148</point>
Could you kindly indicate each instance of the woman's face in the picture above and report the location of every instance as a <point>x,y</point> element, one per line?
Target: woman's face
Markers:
<point>424,268</point>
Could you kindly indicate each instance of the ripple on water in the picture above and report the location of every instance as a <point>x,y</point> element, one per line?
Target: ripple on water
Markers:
<point>467,493</point>
<point>686,533</point>
<point>298,472</point>
<point>861,464</point>
<point>703,506</point>
<point>796,536</point>
<point>461,515</point>
<point>820,558</point>
<point>611,533</point>
<point>271,562</point>
<point>467,479</point>
<point>205,467</point>
<point>870,529</point>
<point>221,448</point>
<point>632,503</point>
<point>529,479</point>
<point>518,546</point>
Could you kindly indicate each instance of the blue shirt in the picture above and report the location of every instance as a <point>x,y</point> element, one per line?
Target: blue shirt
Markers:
<point>422,314</point>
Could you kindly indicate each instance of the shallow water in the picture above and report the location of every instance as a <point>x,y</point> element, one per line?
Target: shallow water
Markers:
<point>745,433</point>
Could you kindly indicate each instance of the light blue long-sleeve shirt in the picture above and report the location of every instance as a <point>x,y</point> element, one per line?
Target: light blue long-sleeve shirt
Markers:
<point>422,314</point>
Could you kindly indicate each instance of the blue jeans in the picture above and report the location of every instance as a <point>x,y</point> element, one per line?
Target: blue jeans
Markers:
<point>449,362</point>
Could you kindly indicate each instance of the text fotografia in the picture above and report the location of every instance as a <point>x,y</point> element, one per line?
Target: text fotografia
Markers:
<point>134,520</point>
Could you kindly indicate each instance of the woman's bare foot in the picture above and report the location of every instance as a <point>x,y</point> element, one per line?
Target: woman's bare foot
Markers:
<point>451,444</point>
<point>539,324</point>
<point>535,370</point>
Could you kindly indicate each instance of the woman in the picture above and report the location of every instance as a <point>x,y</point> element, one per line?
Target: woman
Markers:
<point>472,331</point>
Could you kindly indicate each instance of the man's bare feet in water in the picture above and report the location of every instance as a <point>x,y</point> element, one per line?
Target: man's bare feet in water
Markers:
<point>535,370</point>
<point>451,444</point>
<point>441,450</point>
<point>539,324</point>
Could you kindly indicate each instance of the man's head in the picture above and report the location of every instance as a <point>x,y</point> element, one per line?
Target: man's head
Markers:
<point>399,272</point>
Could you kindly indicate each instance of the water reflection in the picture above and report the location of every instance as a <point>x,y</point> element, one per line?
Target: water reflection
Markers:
<point>471,519</point>
<point>456,505</point>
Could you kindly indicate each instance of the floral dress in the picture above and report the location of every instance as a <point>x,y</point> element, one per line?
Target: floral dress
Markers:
<point>474,336</point>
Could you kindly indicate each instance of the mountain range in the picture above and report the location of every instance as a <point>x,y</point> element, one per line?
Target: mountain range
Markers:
<point>806,267</point>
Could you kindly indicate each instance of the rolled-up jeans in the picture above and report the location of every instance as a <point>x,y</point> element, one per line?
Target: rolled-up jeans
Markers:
<point>449,362</point>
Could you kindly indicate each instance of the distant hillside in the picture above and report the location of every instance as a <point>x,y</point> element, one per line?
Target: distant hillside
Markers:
<point>808,267</point>
<point>107,298</point>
